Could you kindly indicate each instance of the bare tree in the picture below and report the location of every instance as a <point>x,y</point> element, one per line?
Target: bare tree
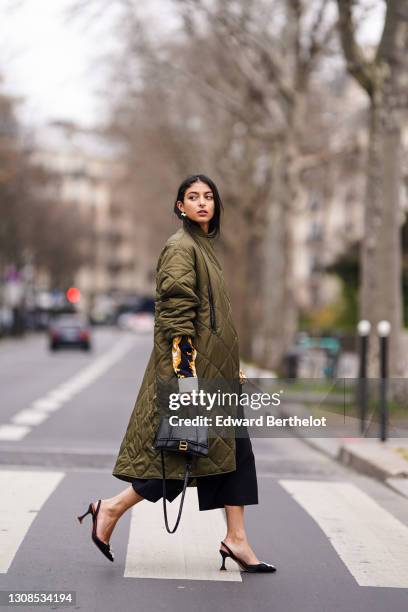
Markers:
<point>384,79</point>
<point>230,94</point>
<point>36,227</point>
<point>263,58</point>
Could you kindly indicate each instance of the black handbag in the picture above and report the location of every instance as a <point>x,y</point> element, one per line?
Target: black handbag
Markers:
<point>189,440</point>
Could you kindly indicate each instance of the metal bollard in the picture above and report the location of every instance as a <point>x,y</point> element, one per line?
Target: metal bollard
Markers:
<point>383,329</point>
<point>363,328</point>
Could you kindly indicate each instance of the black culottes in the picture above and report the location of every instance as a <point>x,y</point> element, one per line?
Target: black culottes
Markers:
<point>238,488</point>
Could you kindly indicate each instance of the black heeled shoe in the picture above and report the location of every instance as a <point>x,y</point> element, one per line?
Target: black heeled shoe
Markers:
<point>246,567</point>
<point>104,548</point>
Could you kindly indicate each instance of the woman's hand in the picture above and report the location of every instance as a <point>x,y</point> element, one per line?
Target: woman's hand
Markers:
<point>242,378</point>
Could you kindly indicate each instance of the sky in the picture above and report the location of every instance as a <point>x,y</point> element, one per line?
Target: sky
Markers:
<point>55,64</point>
<point>48,61</point>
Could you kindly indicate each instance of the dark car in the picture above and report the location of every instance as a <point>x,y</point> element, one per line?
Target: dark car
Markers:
<point>69,330</point>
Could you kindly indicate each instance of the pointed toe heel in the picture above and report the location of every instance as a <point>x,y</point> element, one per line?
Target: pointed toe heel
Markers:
<point>224,555</point>
<point>256,568</point>
<point>103,547</point>
<point>89,511</point>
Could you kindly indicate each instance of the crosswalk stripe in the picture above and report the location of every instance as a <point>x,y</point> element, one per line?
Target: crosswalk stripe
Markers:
<point>191,553</point>
<point>22,496</point>
<point>370,541</point>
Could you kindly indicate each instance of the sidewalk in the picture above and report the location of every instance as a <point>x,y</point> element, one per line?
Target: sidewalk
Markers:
<point>385,461</point>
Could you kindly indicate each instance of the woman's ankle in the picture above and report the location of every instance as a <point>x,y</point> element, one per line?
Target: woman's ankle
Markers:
<point>236,537</point>
<point>114,507</point>
<point>119,504</point>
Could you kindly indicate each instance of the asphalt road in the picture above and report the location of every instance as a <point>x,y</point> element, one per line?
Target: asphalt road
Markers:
<point>338,539</point>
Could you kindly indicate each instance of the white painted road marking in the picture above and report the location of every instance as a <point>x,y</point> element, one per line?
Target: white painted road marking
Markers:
<point>370,541</point>
<point>12,433</point>
<point>29,417</point>
<point>191,553</point>
<point>22,496</point>
<point>47,405</point>
<point>23,421</point>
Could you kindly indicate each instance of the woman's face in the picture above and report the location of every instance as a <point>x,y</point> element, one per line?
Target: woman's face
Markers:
<point>198,204</point>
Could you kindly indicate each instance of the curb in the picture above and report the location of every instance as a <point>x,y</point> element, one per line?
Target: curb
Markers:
<point>57,457</point>
<point>374,460</point>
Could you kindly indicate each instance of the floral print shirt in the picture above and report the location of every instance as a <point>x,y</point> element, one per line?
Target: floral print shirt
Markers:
<point>184,355</point>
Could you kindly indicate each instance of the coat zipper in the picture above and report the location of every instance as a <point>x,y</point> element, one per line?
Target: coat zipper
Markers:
<point>210,297</point>
<point>212,309</point>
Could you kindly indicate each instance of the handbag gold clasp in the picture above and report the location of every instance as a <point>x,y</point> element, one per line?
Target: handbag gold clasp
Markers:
<point>183,445</point>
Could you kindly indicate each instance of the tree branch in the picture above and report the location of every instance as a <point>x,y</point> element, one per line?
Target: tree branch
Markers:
<point>357,66</point>
<point>395,19</point>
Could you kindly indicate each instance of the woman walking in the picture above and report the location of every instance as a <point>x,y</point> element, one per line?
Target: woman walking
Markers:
<point>192,341</point>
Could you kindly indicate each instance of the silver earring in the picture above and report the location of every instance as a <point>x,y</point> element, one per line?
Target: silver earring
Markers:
<point>183,214</point>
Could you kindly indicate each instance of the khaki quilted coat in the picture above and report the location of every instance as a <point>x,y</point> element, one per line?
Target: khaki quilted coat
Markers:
<point>182,307</point>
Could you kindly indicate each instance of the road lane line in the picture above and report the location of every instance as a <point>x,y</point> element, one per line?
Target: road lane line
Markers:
<point>55,399</point>
<point>29,417</point>
<point>370,541</point>
<point>12,433</point>
<point>60,395</point>
<point>191,553</point>
<point>46,405</point>
<point>22,496</point>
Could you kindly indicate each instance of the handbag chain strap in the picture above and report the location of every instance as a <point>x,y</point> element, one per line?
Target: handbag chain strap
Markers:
<point>186,476</point>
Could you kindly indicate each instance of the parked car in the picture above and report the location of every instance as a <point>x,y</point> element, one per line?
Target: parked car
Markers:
<point>136,321</point>
<point>102,311</point>
<point>136,313</point>
<point>69,330</point>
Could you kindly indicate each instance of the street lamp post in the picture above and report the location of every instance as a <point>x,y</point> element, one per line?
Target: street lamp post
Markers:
<point>363,328</point>
<point>383,329</point>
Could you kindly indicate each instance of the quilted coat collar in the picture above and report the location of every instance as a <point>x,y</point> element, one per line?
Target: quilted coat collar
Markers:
<point>196,229</point>
<point>206,241</point>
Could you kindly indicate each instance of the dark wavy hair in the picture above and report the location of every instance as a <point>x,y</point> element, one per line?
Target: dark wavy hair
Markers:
<point>215,222</point>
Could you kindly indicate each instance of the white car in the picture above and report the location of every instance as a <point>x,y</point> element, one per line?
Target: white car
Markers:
<point>137,322</point>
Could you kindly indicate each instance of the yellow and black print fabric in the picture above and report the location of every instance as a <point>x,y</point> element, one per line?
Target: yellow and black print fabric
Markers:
<point>184,355</point>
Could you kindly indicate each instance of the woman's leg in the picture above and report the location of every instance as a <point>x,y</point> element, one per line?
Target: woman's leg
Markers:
<point>111,510</point>
<point>236,537</point>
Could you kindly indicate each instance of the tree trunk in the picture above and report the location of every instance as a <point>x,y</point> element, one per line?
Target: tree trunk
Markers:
<point>381,295</point>
<point>279,312</point>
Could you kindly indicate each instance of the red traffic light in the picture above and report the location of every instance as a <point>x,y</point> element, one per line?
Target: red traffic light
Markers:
<point>73,295</point>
